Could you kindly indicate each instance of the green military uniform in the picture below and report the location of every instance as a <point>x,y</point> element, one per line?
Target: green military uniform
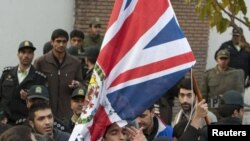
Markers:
<point>220,79</point>
<point>215,83</point>
<point>93,41</point>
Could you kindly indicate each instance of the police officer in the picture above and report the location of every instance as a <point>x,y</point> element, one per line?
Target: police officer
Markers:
<point>221,78</point>
<point>38,94</point>
<point>15,81</point>
<point>76,103</point>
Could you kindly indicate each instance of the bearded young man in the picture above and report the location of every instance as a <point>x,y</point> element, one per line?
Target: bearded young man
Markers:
<point>187,99</point>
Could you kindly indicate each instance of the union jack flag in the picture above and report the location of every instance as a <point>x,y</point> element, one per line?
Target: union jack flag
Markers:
<point>144,53</point>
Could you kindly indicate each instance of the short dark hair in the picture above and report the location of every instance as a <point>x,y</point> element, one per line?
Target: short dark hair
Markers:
<point>76,33</point>
<point>59,33</point>
<point>185,83</point>
<point>20,132</point>
<point>41,105</point>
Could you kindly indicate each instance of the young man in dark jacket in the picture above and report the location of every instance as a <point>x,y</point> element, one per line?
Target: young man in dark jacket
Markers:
<point>41,120</point>
<point>230,110</point>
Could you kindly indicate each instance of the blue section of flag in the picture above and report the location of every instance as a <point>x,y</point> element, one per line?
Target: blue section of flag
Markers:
<point>127,3</point>
<point>131,101</point>
<point>169,33</point>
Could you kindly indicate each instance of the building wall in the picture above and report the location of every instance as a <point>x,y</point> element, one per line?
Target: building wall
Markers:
<point>31,20</point>
<point>86,9</point>
<point>196,30</point>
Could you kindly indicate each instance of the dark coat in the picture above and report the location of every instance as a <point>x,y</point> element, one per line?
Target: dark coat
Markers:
<point>10,91</point>
<point>238,59</point>
<point>58,80</point>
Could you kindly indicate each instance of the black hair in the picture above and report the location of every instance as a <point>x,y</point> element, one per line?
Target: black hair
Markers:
<point>185,83</point>
<point>76,33</point>
<point>41,105</point>
<point>59,33</point>
<point>16,133</point>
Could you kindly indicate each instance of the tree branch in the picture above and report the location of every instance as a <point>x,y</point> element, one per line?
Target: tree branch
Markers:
<point>231,15</point>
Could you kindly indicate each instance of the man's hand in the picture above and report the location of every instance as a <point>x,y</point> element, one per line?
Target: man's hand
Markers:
<point>23,94</point>
<point>135,134</point>
<point>200,112</point>
<point>74,84</point>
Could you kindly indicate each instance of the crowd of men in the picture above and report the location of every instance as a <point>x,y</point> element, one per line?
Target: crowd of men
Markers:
<point>45,99</point>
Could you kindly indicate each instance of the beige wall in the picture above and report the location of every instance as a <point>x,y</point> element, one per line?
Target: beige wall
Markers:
<point>32,20</point>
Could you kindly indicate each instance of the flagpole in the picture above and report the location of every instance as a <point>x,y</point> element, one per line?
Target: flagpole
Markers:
<point>198,92</point>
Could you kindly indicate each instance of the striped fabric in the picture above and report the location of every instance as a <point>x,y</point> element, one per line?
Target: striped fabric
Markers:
<point>144,53</point>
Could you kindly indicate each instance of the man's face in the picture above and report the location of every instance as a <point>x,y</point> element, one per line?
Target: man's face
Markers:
<point>236,39</point>
<point>223,62</point>
<point>146,121</point>
<point>77,104</point>
<point>115,133</point>
<point>25,56</point>
<point>43,122</point>
<point>95,30</point>
<point>186,99</point>
<point>76,41</point>
<point>59,44</point>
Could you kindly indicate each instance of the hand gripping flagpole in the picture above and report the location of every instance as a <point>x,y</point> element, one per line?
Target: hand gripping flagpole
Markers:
<point>198,92</point>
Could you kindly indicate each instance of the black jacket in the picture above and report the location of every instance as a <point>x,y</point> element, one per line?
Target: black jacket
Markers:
<point>10,91</point>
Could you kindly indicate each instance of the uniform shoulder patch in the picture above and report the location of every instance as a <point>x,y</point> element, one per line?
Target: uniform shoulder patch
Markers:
<point>8,68</point>
<point>40,74</point>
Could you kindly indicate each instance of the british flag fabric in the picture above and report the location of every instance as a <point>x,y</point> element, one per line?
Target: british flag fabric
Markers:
<point>143,54</point>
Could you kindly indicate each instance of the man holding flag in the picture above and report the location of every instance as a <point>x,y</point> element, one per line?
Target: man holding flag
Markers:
<point>143,54</point>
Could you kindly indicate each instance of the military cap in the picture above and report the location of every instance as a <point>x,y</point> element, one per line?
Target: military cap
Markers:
<point>91,51</point>
<point>38,91</point>
<point>237,32</point>
<point>233,97</point>
<point>95,21</point>
<point>79,92</point>
<point>26,44</point>
<point>73,51</point>
<point>223,53</point>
